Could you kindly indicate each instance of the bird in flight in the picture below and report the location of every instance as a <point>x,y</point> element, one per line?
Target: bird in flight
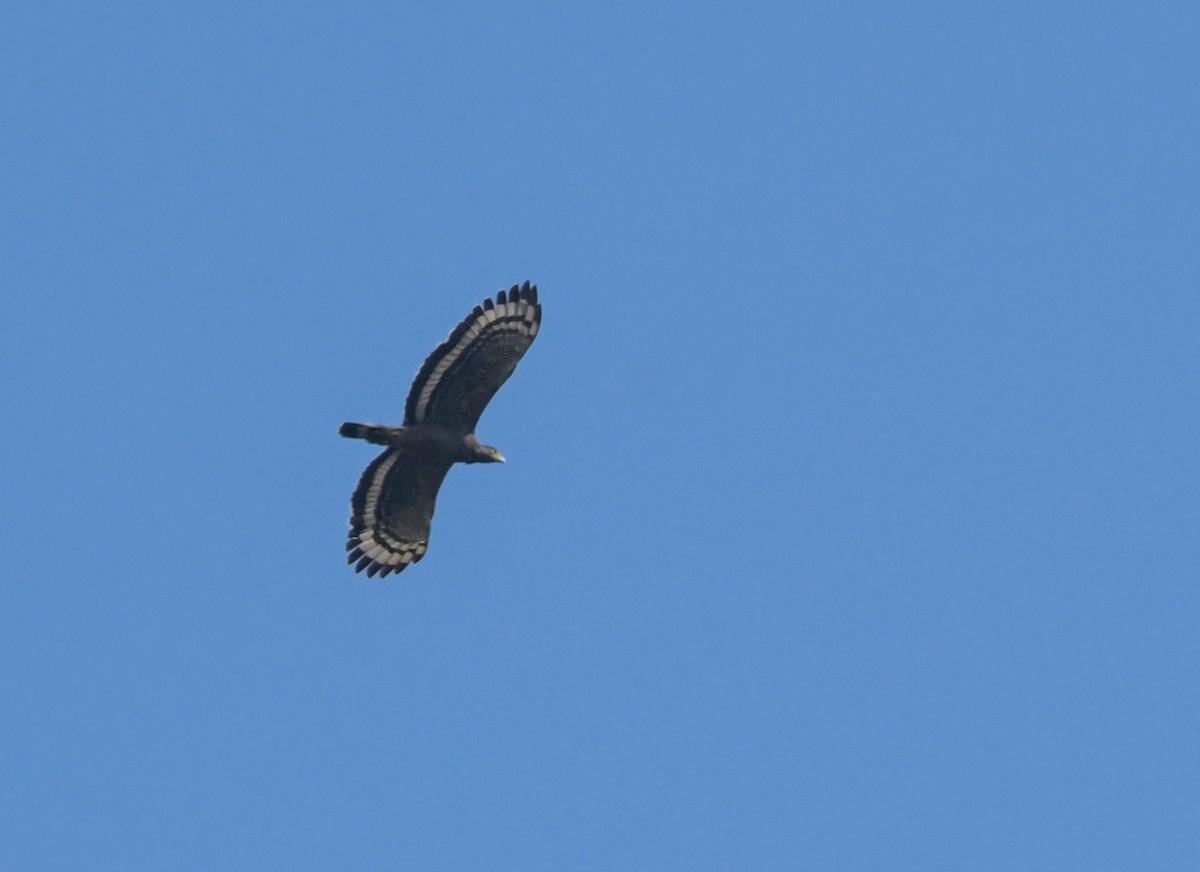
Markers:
<point>392,506</point>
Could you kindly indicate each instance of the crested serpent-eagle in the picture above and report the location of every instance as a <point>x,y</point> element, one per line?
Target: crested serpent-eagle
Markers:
<point>393,503</point>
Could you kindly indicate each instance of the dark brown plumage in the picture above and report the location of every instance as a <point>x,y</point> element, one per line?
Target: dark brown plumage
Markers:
<point>393,505</point>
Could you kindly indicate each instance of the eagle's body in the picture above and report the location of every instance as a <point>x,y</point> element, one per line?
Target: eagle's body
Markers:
<point>431,441</point>
<point>393,505</point>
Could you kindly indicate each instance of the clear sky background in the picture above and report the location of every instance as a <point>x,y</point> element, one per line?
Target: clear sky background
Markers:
<point>850,518</point>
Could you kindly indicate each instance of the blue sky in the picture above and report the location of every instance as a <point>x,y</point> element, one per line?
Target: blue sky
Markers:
<point>850,513</point>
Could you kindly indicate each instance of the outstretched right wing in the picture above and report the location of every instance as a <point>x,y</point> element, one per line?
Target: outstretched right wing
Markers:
<point>462,375</point>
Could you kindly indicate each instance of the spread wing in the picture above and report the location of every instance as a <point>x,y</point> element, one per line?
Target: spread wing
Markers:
<point>391,510</point>
<point>464,372</point>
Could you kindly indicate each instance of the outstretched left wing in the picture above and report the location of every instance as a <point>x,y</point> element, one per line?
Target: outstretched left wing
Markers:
<point>391,511</point>
<point>464,372</point>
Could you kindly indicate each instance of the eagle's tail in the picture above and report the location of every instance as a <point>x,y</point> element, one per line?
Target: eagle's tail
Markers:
<point>376,433</point>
